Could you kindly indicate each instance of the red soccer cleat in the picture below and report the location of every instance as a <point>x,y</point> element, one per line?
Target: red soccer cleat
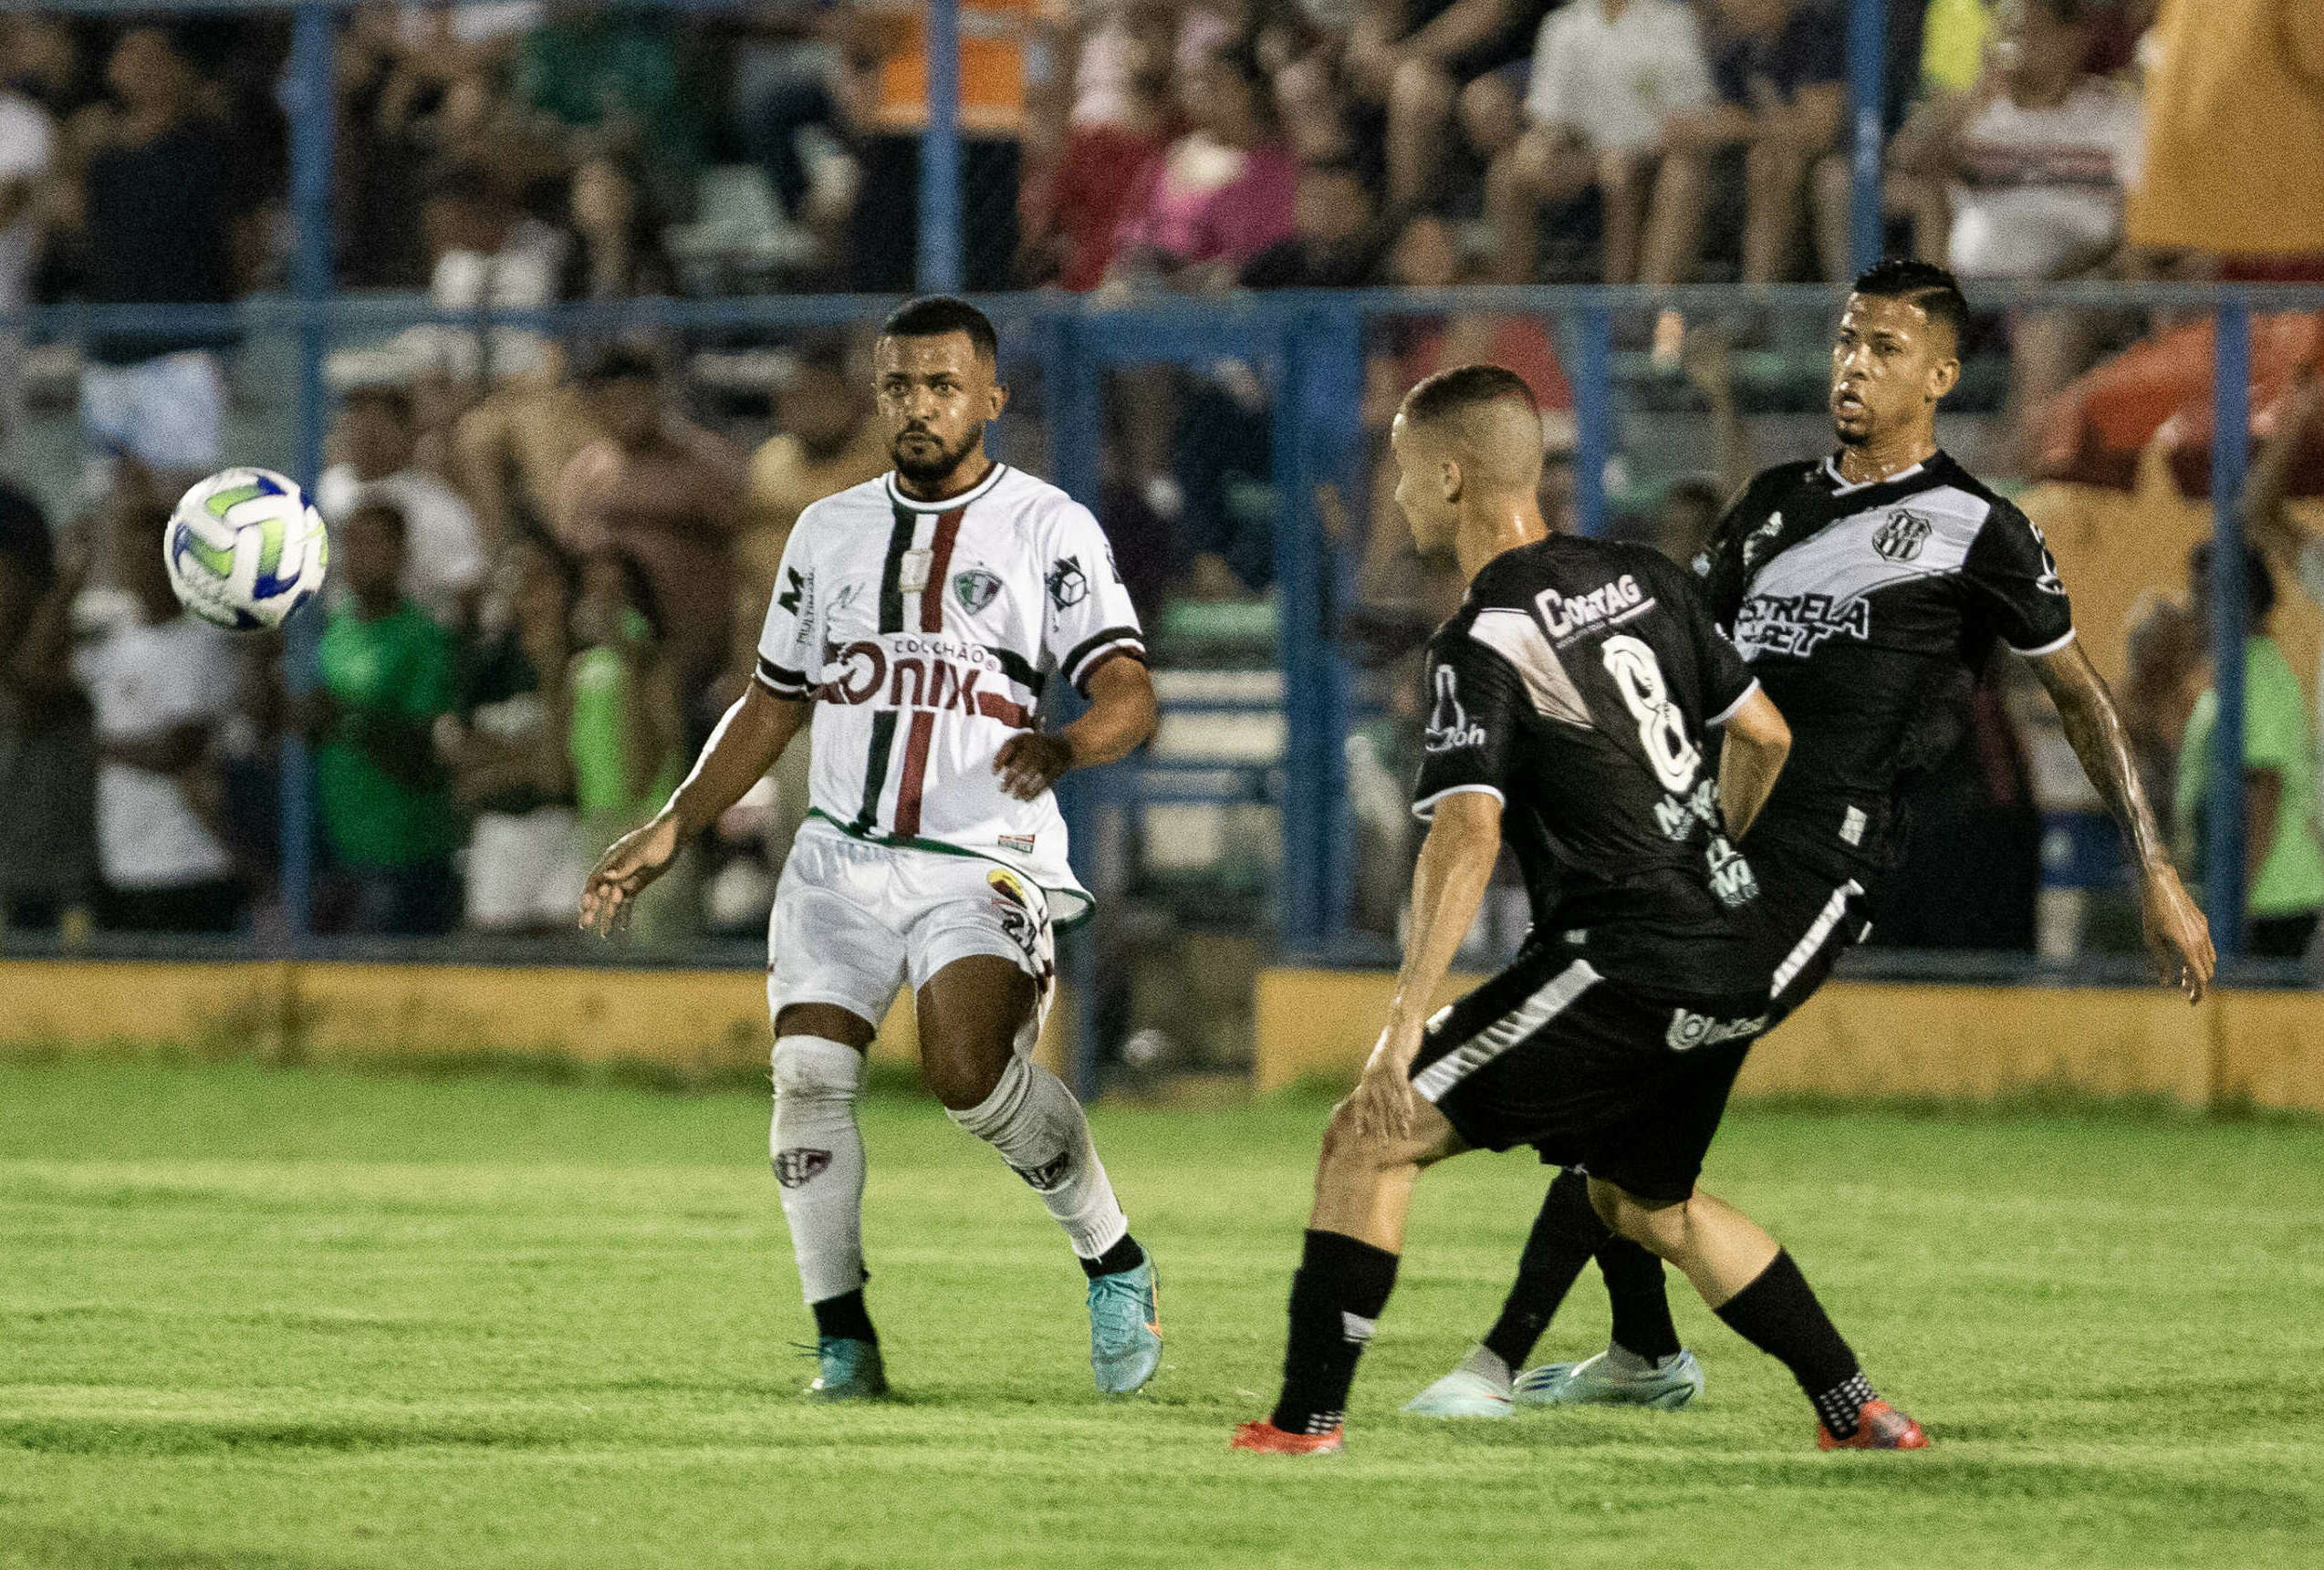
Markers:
<point>1263,1436</point>
<point>1879,1427</point>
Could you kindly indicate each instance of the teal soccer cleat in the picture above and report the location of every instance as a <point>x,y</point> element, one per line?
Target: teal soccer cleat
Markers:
<point>1125,1329</point>
<point>848,1370</point>
<point>1593,1382</point>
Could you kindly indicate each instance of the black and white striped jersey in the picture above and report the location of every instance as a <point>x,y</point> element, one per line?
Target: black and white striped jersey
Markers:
<point>1578,683</point>
<point>924,633</point>
<point>1866,611</point>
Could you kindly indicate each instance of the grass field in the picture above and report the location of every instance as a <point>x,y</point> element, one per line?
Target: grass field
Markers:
<point>263,1318</point>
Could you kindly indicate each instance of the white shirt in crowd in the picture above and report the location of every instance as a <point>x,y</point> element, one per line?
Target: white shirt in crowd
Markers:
<point>444,556</point>
<point>2041,189</point>
<point>1612,79</point>
<point>925,633</point>
<point>26,143</point>
<point>145,680</point>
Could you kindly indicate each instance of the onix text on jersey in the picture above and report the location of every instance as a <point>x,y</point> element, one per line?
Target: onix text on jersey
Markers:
<point>917,672</point>
<point>1795,623</point>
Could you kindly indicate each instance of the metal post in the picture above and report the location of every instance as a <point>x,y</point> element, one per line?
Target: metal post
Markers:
<point>1593,419</point>
<point>308,87</point>
<point>1867,86</point>
<point>1331,428</point>
<point>940,194</point>
<point>1299,635</point>
<point>2223,878</point>
<point>1072,397</point>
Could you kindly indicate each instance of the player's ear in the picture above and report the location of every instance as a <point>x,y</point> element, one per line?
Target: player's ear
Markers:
<point>995,400</point>
<point>1943,377</point>
<point>1449,479</point>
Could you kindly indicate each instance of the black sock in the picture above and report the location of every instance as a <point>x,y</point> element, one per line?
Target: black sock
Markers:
<point>1123,1255</point>
<point>1336,1299</point>
<point>1778,1313</point>
<point>1565,1235</point>
<point>1643,1325</point>
<point>844,1316</point>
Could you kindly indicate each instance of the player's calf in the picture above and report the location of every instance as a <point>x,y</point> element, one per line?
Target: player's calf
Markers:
<point>817,1155</point>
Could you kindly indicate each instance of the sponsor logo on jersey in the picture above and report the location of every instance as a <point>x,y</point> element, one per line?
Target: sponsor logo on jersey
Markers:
<point>1567,614</point>
<point>1020,843</point>
<point>1732,878</point>
<point>1795,623</point>
<point>1068,586</point>
<point>796,1168</point>
<point>1678,815</point>
<point>1689,1030</point>
<point>908,671</point>
<point>2048,582</point>
<point>975,589</point>
<point>798,589</point>
<point>1900,536</point>
<point>1448,723</point>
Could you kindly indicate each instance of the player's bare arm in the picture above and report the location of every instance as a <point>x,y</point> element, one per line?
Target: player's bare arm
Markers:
<point>1758,742</point>
<point>2175,930</point>
<point>1120,718</point>
<point>1456,864</point>
<point>749,738</point>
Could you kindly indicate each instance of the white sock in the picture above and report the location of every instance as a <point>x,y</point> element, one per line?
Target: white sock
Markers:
<point>817,1153</point>
<point>1033,1120</point>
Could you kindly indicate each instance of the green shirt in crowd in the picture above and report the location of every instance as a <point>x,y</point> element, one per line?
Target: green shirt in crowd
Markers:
<point>401,665</point>
<point>598,738</point>
<point>2276,736</point>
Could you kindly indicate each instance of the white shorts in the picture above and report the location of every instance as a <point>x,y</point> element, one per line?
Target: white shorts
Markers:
<point>526,870</point>
<point>166,413</point>
<point>853,921</point>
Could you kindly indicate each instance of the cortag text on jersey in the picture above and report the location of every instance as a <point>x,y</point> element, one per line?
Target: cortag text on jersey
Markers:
<point>1564,614</point>
<point>1795,623</point>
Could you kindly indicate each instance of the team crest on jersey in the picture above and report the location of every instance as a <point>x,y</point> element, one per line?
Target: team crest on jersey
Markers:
<point>1068,586</point>
<point>1900,536</point>
<point>975,589</point>
<point>797,1168</point>
<point>1449,729</point>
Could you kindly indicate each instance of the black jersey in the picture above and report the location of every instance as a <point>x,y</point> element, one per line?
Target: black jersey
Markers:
<point>1866,611</point>
<point>1578,683</point>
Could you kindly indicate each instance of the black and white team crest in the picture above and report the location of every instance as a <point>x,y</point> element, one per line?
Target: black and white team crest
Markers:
<point>1448,723</point>
<point>1901,535</point>
<point>794,1168</point>
<point>974,589</point>
<point>1068,586</point>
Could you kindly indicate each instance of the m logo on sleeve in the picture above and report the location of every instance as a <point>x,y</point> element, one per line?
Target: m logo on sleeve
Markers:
<point>795,591</point>
<point>1449,729</point>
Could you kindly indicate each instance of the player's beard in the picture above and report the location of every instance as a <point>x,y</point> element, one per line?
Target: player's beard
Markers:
<point>928,471</point>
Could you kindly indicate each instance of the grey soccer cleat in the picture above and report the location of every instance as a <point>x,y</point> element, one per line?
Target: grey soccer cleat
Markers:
<point>1595,1381</point>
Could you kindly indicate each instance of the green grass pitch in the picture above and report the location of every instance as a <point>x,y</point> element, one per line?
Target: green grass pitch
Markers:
<point>278,1319</point>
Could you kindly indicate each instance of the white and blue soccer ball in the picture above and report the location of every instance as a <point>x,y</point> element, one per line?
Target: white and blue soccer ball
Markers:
<point>245,549</point>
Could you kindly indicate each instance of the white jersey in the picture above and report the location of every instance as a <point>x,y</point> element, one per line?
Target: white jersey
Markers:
<point>924,632</point>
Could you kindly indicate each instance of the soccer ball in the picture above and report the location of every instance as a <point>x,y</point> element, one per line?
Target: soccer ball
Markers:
<point>245,549</point>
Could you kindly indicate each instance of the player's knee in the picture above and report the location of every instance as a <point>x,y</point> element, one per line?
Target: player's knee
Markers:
<point>809,1069</point>
<point>963,1074</point>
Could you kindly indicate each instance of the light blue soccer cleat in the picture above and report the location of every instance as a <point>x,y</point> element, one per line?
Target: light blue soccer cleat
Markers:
<point>1125,1329</point>
<point>1465,1392</point>
<point>1594,1382</point>
<point>848,1370</point>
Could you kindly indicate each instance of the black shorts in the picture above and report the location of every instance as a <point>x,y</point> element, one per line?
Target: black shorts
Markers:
<point>1809,916</point>
<point>1624,1080</point>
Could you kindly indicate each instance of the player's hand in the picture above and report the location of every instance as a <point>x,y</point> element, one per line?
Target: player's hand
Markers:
<point>1383,1098</point>
<point>622,874</point>
<point>2176,932</point>
<point>1030,762</point>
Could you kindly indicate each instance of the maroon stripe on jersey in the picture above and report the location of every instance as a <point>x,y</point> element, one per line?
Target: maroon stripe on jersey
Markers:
<point>915,771</point>
<point>940,562</point>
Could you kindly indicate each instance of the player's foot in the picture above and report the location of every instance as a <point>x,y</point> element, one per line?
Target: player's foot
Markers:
<point>1468,1391</point>
<point>1597,1382</point>
<point>848,1370</point>
<point>1263,1436</point>
<point>1879,1427</point>
<point>1125,1329</point>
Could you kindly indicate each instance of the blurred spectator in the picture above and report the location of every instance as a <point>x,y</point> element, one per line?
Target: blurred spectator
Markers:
<point>1335,240</point>
<point>1606,73</point>
<point>2284,862</point>
<point>47,759</point>
<point>386,673</point>
<point>27,142</point>
<point>785,71</point>
<point>627,731</point>
<point>887,102</point>
<point>159,685</point>
<point>1424,62</point>
<point>664,493</point>
<point>487,253</point>
<point>610,75</point>
<point>1120,122</point>
<point>510,762</point>
<point>443,557</point>
<point>2234,162</point>
<point>619,252</point>
<point>510,450</point>
<point>1222,192</point>
<point>1954,37</point>
<point>152,208</point>
<point>2268,522</point>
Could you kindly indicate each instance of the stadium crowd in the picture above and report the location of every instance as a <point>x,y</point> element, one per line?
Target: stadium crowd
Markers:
<point>551,558</point>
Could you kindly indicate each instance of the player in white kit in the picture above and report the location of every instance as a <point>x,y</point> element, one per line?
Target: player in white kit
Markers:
<point>915,623</point>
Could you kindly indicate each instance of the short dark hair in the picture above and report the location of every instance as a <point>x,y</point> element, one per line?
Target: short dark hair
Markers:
<point>621,362</point>
<point>1466,387</point>
<point>1918,283</point>
<point>393,397</point>
<point>2259,580</point>
<point>933,315</point>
